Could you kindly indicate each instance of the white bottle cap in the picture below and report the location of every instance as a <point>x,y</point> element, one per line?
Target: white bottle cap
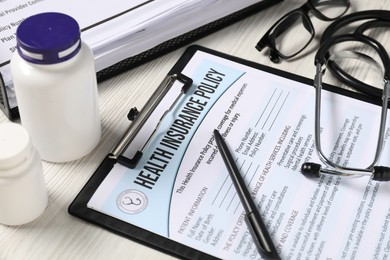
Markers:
<point>15,145</point>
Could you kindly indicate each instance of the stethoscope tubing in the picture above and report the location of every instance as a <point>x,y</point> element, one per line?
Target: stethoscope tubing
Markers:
<point>373,19</point>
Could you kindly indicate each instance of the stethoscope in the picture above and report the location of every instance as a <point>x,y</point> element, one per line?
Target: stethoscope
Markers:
<point>380,18</point>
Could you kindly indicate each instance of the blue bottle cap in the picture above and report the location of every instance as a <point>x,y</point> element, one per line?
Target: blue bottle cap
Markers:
<point>48,38</point>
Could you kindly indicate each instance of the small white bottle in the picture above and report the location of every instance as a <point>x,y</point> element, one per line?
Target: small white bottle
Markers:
<point>55,85</point>
<point>23,193</point>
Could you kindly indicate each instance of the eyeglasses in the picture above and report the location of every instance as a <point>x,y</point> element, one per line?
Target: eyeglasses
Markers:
<point>294,31</point>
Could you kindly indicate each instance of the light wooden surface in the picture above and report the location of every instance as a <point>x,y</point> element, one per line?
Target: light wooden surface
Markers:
<point>56,234</point>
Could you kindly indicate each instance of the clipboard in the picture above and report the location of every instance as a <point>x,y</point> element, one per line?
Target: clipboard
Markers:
<point>138,120</point>
<point>166,98</point>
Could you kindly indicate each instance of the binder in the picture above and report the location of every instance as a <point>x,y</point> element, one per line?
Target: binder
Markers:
<point>173,92</point>
<point>155,52</point>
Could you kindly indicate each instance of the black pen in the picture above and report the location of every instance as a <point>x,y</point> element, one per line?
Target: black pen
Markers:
<point>255,224</point>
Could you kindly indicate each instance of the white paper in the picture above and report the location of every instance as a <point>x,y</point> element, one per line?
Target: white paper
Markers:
<point>181,189</point>
<point>115,30</point>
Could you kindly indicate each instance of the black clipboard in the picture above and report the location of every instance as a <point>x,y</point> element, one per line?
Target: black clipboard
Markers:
<point>78,207</point>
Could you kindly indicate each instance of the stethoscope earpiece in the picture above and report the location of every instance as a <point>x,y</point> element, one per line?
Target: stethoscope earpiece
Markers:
<point>381,173</point>
<point>311,170</point>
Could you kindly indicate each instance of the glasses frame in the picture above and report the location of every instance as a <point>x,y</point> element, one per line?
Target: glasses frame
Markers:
<point>268,40</point>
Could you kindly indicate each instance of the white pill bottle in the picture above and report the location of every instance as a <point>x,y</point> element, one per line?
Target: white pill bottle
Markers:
<point>23,193</point>
<point>55,86</point>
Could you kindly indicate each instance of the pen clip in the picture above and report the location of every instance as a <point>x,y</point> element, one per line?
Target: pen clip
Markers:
<point>139,118</point>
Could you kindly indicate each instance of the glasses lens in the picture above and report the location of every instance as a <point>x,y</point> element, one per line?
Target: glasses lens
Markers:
<point>284,35</point>
<point>350,128</point>
<point>331,9</point>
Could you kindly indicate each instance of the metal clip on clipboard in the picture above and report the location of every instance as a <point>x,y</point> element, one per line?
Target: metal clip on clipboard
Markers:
<point>139,119</point>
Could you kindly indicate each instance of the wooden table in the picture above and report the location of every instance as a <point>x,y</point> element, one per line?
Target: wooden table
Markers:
<point>56,234</point>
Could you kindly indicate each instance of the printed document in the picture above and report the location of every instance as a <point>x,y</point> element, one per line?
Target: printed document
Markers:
<point>114,30</point>
<point>181,189</point>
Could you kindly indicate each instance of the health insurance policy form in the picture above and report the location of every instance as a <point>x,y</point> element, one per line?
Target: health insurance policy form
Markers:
<point>181,188</point>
